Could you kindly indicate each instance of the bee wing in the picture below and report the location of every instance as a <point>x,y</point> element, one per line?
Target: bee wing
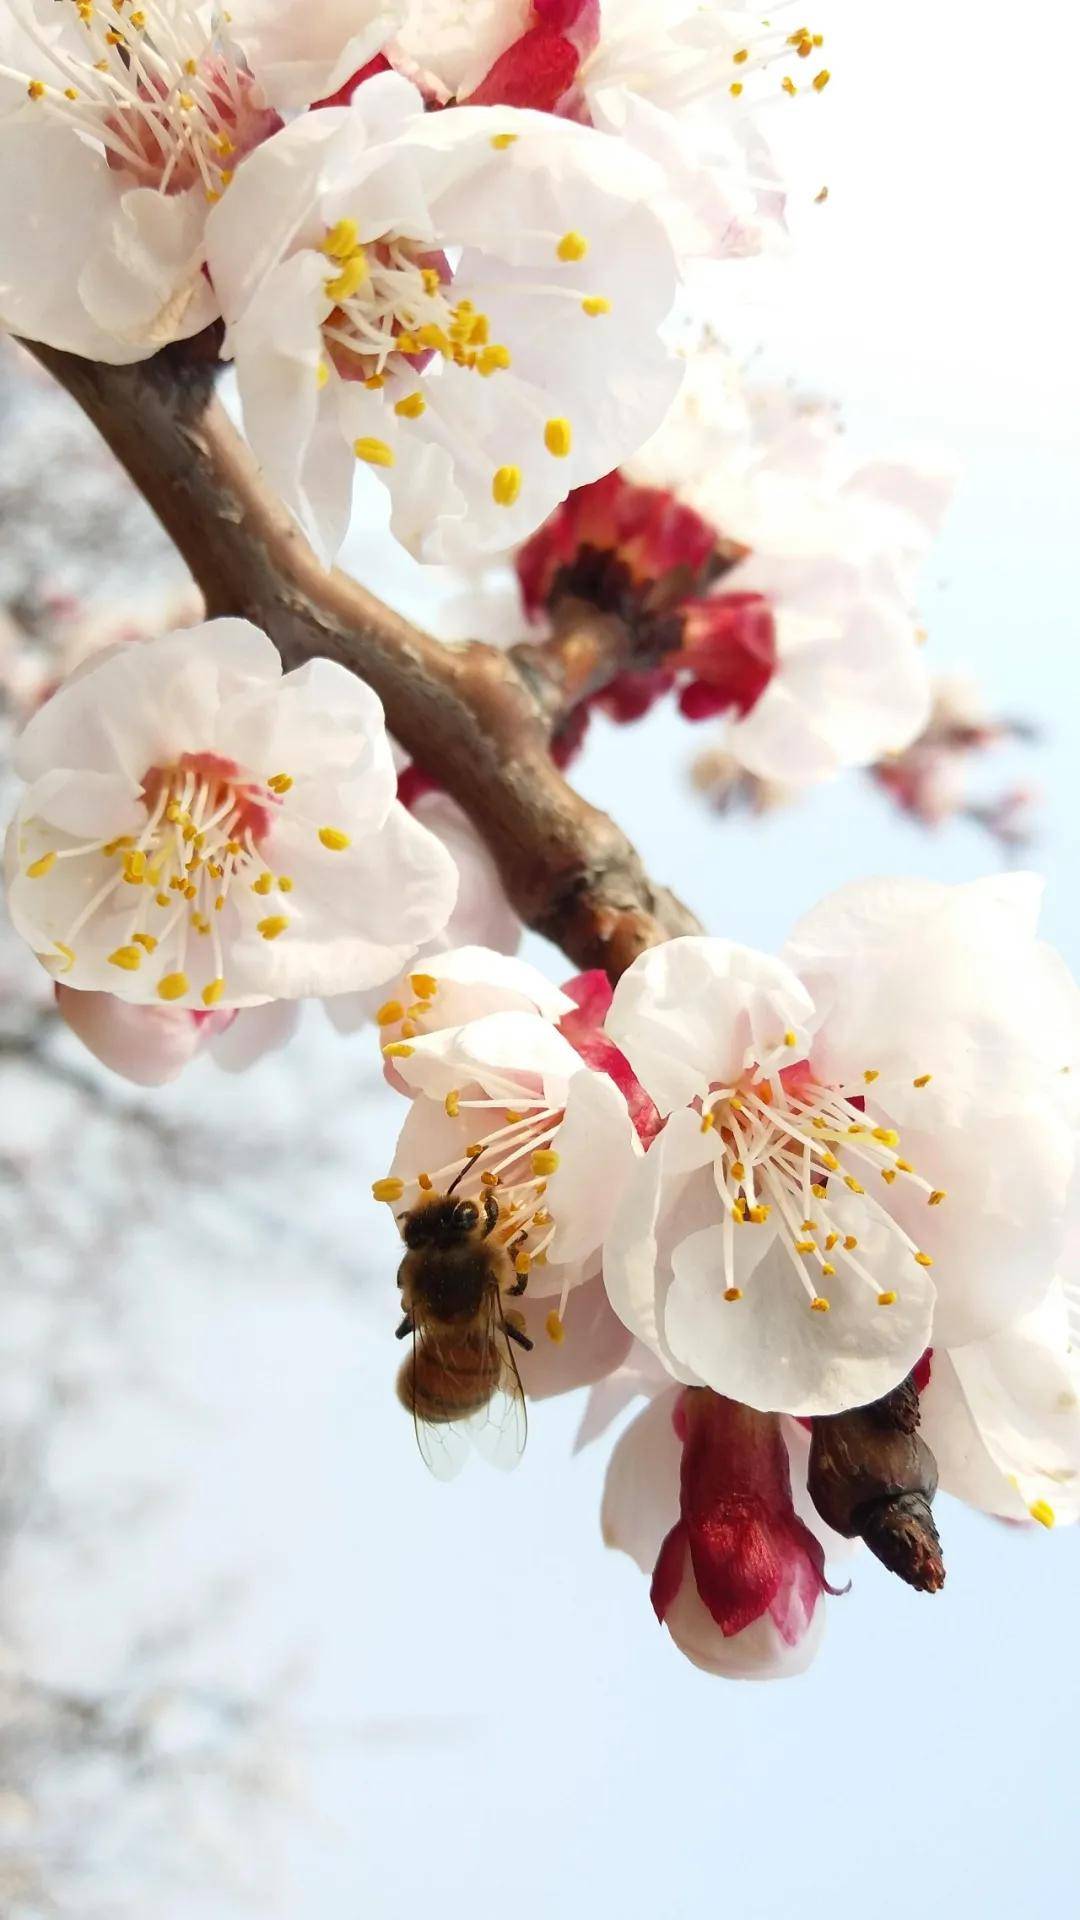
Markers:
<point>445,1446</point>
<point>498,1431</point>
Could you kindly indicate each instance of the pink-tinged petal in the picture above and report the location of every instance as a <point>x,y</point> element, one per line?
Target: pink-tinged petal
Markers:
<point>669,1572</point>
<point>146,1045</point>
<point>597,1148</point>
<point>585,1031</point>
<point>593,1345</point>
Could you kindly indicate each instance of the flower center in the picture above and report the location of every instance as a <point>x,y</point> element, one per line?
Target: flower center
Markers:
<point>170,101</point>
<point>392,298</point>
<point>786,1146</point>
<point>205,822</point>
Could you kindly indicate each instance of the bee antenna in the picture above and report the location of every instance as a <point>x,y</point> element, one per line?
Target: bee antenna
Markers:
<point>460,1176</point>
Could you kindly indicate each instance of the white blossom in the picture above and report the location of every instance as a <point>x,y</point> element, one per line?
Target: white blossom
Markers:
<point>201,830</point>
<point>834,548</point>
<point>504,1100</point>
<point>464,306</point>
<point>869,1141</point>
<point>123,125</point>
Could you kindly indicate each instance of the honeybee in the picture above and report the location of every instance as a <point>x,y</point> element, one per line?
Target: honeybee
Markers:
<point>460,1382</point>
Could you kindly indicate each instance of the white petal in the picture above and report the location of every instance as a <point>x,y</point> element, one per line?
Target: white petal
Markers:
<point>641,1486</point>
<point>695,1011</point>
<point>300,54</point>
<point>759,1652</point>
<point>144,282</point>
<point>657,1192</point>
<point>597,1148</point>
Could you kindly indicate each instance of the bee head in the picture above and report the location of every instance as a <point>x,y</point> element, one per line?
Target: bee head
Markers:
<point>446,1222</point>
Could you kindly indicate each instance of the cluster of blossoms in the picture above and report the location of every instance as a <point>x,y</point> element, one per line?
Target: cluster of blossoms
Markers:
<point>464,305</point>
<point>781,1187</point>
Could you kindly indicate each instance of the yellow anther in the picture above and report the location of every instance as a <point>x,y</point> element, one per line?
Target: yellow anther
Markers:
<point>708,1121</point>
<point>274,925</point>
<point>342,240</point>
<point>219,903</point>
<point>759,1215</point>
<point>212,993</point>
<point>935,1199</point>
<point>522,1262</point>
<point>887,1299</point>
<point>71,93</point>
<point>827,1269</point>
<point>888,1174</point>
<point>375,452</point>
<point>544,1161</point>
<point>850,1181</point>
<point>334,840</point>
<point>424,1182</point>
<point>388,1189</point>
<point>871,1074</point>
<point>553,1326</point>
<point>374,381</point>
<point>408,1030</point>
<point>285,885</point>
<point>809,1226</point>
<point>735,88</point>
<point>406,343</point>
<point>474,1152</point>
<point>431,280</point>
<point>280,782</point>
<point>788,84</point>
<point>804,1246</point>
<point>923,1080</point>
<point>451,1104</point>
<point>322,374</point>
<point>399,1050</point>
<point>145,940</point>
<point>129,958</point>
<point>850,1243</point>
<point>743,54</point>
<point>505,486</point>
<point>558,437</point>
<point>923,1260</point>
<point>35,89</point>
<point>343,285</point>
<point>572,246</point>
<point>541,1218</point>
<point>39,868</point>
<point>594,304</point>
<point>234,847</point>
<point>390,1013</point>
<point>184,100</point>
<point>738,1171</point>
<point>263,884</point>
<point>411,407</point>
<point>818,1190</point>
<point>490,1179</point>
<point>790,1037</point>
<point>733,1293</point>
<point>500,141</point>
<point>162,900</point>
<point>173,986</point>
<point>493,360</point>
<point>424,985</point>
<point>66,954</point>
<point>819,1305</point>
<point>830,1241</point>
<point>135,869</point>
<point>887,1135</point>
<point>821,80</point>
<point>830,1160</point>
<point>200,923</point>
<point>819,1125</point>
<point>513,1116</point>
<point>1043,1512</point>
<point>904,1166</point>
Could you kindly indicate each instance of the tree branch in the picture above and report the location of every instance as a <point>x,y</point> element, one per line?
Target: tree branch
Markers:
<point>480,721</point>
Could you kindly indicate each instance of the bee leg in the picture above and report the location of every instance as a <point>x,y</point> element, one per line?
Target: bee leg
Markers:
<point>515,1333</point>
<point>405,1327</point>
<point>491,1212</point>
<point>519,1286</point>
